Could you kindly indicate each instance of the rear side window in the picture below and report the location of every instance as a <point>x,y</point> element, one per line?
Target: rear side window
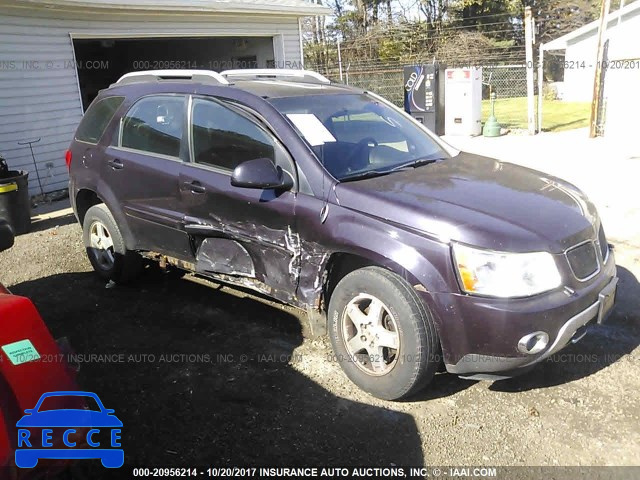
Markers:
<point>155,125</point>
<point>96,119</point>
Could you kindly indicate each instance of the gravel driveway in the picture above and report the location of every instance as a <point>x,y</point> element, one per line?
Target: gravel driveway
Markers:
<point>208,375</point>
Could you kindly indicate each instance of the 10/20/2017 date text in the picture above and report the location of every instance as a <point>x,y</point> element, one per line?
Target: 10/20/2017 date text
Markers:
<point>276,472</point>
<point>145,472</point>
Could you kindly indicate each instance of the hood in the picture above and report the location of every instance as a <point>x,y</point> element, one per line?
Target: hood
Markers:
<point>479,201</point>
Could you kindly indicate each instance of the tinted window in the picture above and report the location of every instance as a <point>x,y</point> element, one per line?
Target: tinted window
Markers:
<point>224,138</point>
<point>96,119</point>
<point>154,124</point>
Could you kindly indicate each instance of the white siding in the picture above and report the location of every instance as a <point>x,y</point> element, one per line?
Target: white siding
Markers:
<point>622,84</point>
<point>623,44</point>
<point>578,81</point>
<point>39,95</point>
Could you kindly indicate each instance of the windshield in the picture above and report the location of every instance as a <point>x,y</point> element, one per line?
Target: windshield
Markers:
<point>356,136</point>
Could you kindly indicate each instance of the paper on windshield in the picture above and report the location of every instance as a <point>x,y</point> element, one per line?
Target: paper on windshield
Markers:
<point>311,128</point>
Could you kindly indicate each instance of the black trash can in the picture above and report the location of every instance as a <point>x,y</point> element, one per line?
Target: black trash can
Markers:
<point>15,203</point>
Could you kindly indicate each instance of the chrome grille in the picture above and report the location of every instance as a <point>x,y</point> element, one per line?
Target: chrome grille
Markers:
<point>583,260</point>
<point>604,246</point>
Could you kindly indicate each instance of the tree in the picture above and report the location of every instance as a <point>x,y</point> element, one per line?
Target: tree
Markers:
<point>434,11</point>
<point>495,19</point>
<point>555,18</point>
<point>374,31</point>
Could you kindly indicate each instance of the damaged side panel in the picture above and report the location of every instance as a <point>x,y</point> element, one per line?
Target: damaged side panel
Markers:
<point>270,258</point>
<point>223,255</point>
<point>292,241</point>
<point>314,259</point>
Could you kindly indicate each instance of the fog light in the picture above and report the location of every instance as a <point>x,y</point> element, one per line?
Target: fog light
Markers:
<point>533,343</point>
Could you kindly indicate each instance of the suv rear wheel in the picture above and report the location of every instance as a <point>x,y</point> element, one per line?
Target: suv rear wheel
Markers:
<point>382,334</point>
<point>106,248</point>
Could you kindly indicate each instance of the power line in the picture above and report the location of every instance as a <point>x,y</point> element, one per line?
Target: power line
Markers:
<point>456,27</point>
<point>407,29</point>
<point>408,37</point>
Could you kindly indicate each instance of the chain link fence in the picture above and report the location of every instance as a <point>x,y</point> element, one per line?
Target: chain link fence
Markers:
<point>385,80</point>
<point>508,81</point>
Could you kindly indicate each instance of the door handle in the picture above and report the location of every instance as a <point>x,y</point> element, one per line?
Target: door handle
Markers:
<point>195,187</point>
<point>115,164</point>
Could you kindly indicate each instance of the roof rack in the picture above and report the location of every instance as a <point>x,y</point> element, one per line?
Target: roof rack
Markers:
<point>205,76</point>
<point>277,73</point>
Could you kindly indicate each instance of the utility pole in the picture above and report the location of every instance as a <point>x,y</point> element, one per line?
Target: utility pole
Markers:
<point>540,85</point>
<point>529,40</point>
<point>597,81</point>
<point>339,59</point>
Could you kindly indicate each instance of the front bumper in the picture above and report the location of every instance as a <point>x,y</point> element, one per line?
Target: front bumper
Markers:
<point>480,336</point>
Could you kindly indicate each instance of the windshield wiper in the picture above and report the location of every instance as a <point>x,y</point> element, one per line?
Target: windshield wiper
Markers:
<point>377,173</point>
<point>418,162</point>
<point>363,175</point>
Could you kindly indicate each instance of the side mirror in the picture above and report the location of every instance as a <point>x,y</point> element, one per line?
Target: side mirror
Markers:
<point>6,235</point>
<point>260,173</point>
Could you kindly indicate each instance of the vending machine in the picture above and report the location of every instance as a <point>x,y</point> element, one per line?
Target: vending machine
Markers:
<point>422,96</point>
<point>463,98</point>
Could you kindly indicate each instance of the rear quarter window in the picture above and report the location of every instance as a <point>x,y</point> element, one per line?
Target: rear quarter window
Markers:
<point>96,119</point>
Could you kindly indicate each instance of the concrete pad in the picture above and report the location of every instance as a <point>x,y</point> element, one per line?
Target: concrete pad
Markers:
<point>45,211</point>
<point>47,215</point>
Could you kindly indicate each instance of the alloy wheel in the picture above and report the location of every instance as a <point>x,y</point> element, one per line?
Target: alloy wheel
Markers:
<point>370,334</point>
<point>102,245</point>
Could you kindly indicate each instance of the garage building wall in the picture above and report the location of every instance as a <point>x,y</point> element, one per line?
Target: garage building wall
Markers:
<point>622,34</point>
<point>622,84</point>
<point>578,80</point>
<point>39,93</point>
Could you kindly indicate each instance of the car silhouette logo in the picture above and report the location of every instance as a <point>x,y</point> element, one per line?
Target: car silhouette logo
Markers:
<point>38,430</point>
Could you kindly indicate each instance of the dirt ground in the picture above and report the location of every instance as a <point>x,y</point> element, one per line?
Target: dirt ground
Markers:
<point>205,375</point>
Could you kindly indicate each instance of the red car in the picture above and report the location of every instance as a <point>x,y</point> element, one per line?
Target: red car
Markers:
<point>31,363</point>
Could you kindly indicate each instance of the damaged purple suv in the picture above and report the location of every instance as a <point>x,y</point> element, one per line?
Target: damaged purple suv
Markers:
<point>407,252</point>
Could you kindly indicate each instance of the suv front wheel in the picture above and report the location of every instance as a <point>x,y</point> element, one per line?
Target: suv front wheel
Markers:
<point>106,248</point>
<point>382,334</point>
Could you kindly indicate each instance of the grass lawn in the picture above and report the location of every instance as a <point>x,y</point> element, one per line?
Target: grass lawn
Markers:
<point>557,115</point>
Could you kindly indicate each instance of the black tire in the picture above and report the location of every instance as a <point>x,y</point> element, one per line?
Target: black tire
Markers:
<point>402,371</point>
<point>114,262</point>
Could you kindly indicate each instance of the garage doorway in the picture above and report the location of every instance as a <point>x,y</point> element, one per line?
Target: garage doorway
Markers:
<point>101,61</point>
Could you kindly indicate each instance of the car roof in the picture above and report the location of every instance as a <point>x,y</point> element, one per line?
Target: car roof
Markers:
<point>265,88</point>
<point>285,88</point>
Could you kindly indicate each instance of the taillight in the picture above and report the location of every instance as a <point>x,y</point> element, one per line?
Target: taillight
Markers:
<point>67,158</point>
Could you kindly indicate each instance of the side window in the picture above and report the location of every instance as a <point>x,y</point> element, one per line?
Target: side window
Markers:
<point>224,138</point>
<point>154,125</point>
<point>96,119</point>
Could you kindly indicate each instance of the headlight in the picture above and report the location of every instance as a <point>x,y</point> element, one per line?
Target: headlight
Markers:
<point>502,274</point>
